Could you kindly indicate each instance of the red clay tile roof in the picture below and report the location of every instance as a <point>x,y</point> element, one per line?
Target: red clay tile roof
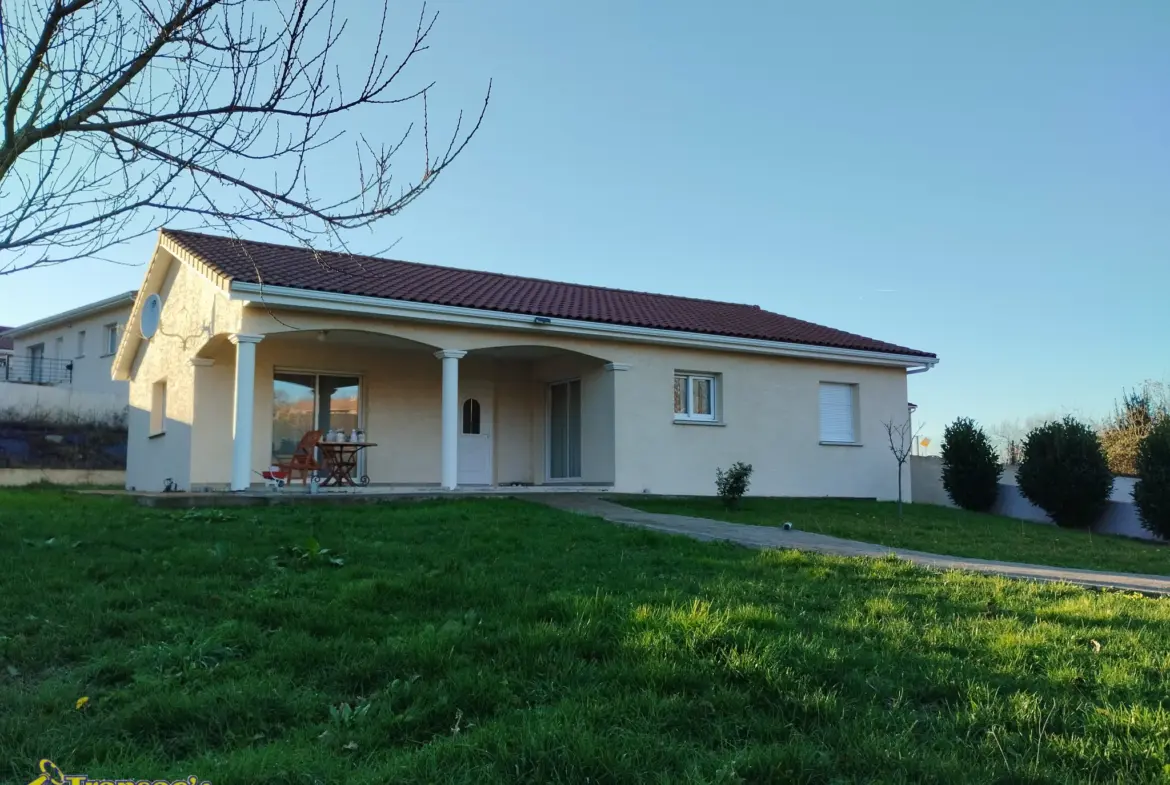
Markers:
<point>300,268</point>
<point>5,343</point>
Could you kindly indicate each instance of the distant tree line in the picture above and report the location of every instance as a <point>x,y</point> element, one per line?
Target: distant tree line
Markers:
<point>1134,415</point>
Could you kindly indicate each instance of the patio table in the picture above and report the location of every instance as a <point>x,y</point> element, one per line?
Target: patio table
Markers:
<point>340,460</point>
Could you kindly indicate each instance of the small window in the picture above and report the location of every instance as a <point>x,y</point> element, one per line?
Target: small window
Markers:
<point>471,416</point>
<point>81,343</point>
<point>111,346</point>
<point>695,396</point>
<point>838,413</point>
<point>158,408</point>
<point>59,348</point>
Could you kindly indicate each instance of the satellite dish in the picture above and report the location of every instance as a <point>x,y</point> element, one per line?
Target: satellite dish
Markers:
<point>151,316</point>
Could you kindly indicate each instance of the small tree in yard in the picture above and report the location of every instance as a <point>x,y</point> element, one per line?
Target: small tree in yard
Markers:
<point>732,484</point>
<point>970,467</point>
<point>1151,494</point>
<point>1064,472</point>
<point>902,438</point>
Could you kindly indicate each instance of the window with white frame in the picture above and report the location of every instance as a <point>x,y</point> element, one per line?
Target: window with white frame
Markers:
<point>695,396</point>
<point>111,339</point>
<point>81,343</point>
<point>158,408</point>
<point>838,413</point>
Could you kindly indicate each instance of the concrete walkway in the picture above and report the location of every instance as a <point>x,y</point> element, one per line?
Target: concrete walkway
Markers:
<point>774,537</point>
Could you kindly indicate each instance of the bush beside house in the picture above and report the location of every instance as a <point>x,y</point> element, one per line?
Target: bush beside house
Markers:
<point>1065,473</point>
<point>732,484</point>
<point>970,467</point>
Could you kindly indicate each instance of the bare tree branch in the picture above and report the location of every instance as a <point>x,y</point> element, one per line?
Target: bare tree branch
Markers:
<point>902,437</point>
<point>122,115</point>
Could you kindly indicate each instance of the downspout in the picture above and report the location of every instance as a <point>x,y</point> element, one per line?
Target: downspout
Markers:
<point>910,409</point>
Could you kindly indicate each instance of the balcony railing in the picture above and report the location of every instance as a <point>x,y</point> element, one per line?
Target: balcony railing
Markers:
<point>35,370</point>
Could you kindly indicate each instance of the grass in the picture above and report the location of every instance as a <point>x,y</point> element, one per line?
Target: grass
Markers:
<point>926,527</point>
<point>499,641</point>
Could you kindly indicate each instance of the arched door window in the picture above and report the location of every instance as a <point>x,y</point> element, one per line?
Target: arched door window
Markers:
<point>471,416</point>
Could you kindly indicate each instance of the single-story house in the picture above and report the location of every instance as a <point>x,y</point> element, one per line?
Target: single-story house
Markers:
<point>467,378</point>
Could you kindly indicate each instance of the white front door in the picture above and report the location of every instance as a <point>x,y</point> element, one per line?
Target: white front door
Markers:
<point>475,436</point>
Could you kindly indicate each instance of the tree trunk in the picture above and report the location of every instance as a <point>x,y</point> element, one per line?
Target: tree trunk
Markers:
<point>899,490</point>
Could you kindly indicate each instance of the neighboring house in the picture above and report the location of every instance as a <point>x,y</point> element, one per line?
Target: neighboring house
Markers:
<point>73,349</point>
<point>5,343</point>
<point>473,378</point>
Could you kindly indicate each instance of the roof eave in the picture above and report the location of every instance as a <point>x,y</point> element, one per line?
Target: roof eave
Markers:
<point>288,297</point>
<point>72,315</point>
<point>151,283</point>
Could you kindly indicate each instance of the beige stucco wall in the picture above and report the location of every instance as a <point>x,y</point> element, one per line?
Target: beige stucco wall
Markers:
<point>192,308</point>
<point>211,440</point>
<point>770,405</point>
<point>770,419</point>
<point>401,403</point>
<point>91,368</point>
<point>770,409</point>
<point>518,402</point>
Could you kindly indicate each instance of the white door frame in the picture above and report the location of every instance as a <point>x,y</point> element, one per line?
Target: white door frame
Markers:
<point>481,391</point>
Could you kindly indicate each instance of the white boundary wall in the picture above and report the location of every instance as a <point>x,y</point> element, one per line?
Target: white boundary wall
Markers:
<point>1121,517</point>
<point>15,478</point>
<point>60,403</point>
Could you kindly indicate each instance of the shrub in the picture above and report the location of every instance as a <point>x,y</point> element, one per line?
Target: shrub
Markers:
<point>1151,493</point>
<point>1064,472</point>
<point>971,469</point>
<point>1134,417</point>
<point>732,484</point>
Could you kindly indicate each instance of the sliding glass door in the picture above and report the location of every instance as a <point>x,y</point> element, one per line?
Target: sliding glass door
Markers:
<point>303,402</point>
<point>564,430</point>
<point>340,403</point>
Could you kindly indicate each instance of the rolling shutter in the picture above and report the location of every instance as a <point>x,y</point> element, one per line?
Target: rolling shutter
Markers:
<point>837,416</point>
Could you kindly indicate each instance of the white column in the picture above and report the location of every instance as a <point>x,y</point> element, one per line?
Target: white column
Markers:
<point>245,403</point>
<point>450,358</point>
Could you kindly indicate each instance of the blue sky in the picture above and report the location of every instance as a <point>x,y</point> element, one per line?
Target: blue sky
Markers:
<point>987,181</point>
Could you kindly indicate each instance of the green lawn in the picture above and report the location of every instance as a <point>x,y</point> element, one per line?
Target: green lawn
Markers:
<point>926,527</point>
<point>499,641</point>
